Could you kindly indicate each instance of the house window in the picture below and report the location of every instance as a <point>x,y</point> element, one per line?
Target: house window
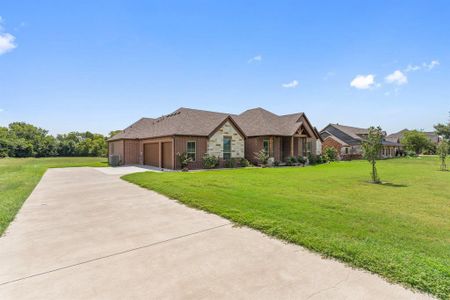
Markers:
<point>346,150</point>
<point>308,147</point>
<point>226,147</point>
<point>266,146</point>
<point>191,149</point>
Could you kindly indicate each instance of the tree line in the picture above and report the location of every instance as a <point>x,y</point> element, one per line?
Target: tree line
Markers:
<point>20,139</point>
<point>418,142</point>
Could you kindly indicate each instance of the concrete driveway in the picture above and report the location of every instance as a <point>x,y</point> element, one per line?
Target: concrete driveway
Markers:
<point>86,234</point>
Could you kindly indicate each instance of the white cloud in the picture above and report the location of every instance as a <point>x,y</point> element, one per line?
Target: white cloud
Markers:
<point>431,65</point>
<point>256,58</point>
<point>292,84</point>
<point>412,68</point>
<point>6,43</point>
<point>1,110</point>
<point>363,82</point>
<point>6,40</point>
<point>427,66</point>
<point>397,78</point>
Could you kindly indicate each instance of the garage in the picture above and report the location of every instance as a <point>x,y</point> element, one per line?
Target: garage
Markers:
<point>151,154</point>
<point>167,157</point>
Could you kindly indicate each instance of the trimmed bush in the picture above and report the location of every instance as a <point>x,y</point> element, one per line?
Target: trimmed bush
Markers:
<point>210,161</point>
<point>244,163</point>
<point>230,163</point>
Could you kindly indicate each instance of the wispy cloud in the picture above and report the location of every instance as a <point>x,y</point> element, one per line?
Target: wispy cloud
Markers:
<point>363,82</point>
<point>424,66</point>
<point>431,65</point>
<point>256,58</point>
<point>397,77</point>
<point>290,85</point>
<point>7,40</point>
<point>412,68</point>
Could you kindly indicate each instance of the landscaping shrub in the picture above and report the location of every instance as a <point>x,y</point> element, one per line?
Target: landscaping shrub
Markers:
<point>276,163</point>
<point>184,160</point>
<point>410,153</point>
<point>244,163</point>
<point>210,161</point>
<point>262,157</point>
<point>230,163</point>
<point>301,160</point>
<point>330,154</point>
<point>291,160</point>
<point>315,159</point>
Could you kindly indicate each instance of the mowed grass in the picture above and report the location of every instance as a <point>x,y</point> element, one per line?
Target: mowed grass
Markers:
<point>19,176</point>
<point>400,230</point>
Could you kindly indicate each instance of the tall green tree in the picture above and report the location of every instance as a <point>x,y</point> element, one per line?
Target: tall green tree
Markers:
<point>113,133</point>
<point>416,141</point>
<point>443,129</point>
<point>28,140</point>
<point>372,147</point>
<point>4,142</point>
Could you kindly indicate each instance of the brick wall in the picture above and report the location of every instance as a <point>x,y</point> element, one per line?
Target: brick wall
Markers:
<point>329,142</point>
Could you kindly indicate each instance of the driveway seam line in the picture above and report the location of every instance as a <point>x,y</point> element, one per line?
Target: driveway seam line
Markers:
<point>113,254</point>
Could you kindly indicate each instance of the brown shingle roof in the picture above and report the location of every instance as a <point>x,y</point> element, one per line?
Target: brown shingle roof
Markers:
<point>260,122</point>
<point>186,121</point>
<point>183,121</point>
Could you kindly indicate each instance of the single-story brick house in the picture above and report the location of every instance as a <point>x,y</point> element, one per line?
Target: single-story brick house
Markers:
<point>397,137</point>
<point>156,142</point>
<point>347,140</point>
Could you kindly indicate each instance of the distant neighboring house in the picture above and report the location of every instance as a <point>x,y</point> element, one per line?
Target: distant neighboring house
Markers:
<point>156,142</point>
<point>397,137</point>
<point>347,140</point>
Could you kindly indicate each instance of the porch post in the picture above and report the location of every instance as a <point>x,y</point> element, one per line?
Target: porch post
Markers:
<point>160,154</point>
<point>292,145</point>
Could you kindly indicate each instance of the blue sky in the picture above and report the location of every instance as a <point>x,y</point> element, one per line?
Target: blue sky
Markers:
<point>101,65</point>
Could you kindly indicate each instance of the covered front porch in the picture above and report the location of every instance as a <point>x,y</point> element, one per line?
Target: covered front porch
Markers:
<point>283,147</point>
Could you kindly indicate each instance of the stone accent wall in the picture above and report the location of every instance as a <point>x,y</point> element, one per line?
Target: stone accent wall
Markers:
<point>215,143</point>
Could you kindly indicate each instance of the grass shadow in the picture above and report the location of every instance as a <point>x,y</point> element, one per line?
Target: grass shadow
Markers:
<point>390,184</point>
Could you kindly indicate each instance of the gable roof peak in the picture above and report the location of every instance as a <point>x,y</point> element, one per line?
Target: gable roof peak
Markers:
<point>259,110</point>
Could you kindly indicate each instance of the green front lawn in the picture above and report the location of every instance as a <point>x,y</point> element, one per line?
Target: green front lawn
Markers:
<point>400,229</point>
<point>19,176</point>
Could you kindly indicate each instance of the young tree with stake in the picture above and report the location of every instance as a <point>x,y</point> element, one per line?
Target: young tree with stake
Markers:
<point>442,151</point>
<point>372,148</point>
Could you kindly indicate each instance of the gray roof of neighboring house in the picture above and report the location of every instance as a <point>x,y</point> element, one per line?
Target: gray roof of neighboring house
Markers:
<point>186,121</point>
<point>347,134</point>
<point>350,135</point>
<point>396,137</point>
<point>390,143</point>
